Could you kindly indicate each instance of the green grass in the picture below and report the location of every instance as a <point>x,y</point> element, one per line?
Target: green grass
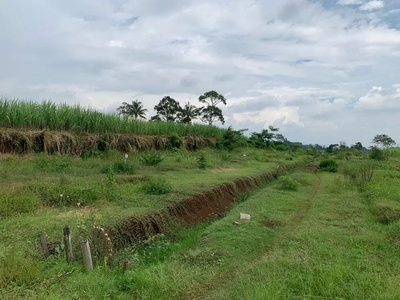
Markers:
<point>325,240</point>
<point>48,115</point>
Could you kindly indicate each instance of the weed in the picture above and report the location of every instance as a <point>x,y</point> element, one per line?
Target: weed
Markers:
<point>328,165</point>
<point>156,187</point>
<point>17,203</point>
<point>386,214</point>
<point>119,167</point>
<point>110,188</point>
<point>288,184</point>
<point>17,269</point>
<point>151,158</point>
<point>202,161</point>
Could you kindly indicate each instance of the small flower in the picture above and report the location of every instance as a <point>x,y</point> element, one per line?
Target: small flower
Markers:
<point>61,195</point>
<point>78,204</point>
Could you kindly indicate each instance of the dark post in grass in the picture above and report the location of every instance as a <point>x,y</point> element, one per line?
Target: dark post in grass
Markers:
<point>43,244</point>
<point>68,244</point>
<point>87,257</point>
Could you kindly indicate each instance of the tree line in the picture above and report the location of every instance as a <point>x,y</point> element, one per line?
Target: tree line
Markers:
<point>168,109</point>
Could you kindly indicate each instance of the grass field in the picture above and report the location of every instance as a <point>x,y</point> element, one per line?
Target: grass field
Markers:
<point>328,236</point>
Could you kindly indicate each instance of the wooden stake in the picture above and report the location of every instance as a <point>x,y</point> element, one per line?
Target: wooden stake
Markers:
<point>68,244</point>
<point>87,257</point>
<point>43,244</point>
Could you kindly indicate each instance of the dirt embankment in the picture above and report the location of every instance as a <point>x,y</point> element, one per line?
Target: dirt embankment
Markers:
<point>202,207</point>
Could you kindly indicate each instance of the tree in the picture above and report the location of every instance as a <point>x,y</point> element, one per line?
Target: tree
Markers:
<point>167,110</point>
<point>383,140</point>
<point>211,112</point>
<point>134,110</point>
<point>332,147</point>
<point>188,113</point>
<point>357,146</point>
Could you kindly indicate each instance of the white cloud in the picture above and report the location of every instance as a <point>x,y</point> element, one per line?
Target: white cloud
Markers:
<point>349,2</point>
<point>373,5</point>
<point>277,66</point>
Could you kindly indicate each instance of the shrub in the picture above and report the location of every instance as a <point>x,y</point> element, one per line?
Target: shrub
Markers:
<point>281,147</point>
<point>202,161</point>
<point>119,167</point>
<point>360,174</point>
<point>151,158</point>
<point>156,187</point>
<point>174,141</point>
<point>328,165</point>
<point>288,184</point>
<point>376,153</point>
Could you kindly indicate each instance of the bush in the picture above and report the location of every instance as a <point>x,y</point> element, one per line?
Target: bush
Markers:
<point>202,161</point>
<point>174,141</point>
<point>386,214</point>
<point>151,158</point>
<point>328,165</point>
<point>376,153</point>
<point>156,187</point>
<point>281,147</point>
<point>288,184</point>
<point>17,203</point>
<point>119,167</point>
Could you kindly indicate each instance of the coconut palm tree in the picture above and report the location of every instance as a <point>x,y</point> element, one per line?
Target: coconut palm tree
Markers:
<point>188,113</point>
<point>134,110</point>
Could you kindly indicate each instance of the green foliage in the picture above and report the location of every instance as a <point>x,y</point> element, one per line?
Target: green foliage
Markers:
<point>328,165</point>
<point>383,140</point>
<point>110,188</point>
<point>212,113</point>
<point>17,269</point>
<point>281,147</point>
<point>152,158</point>
<point>288,184</point>
<point>188,113</point>
<point>377,153</point>
<point>134,110</point>
<point>360,173</point>
<point>386,214</point>
<point>64,195</point>
<point>90,153</point>
<point>62,117</point>
<point>174,141</point>
<point>18,202</point>
<point>231,139</point>
<point>167,110</point>
<point>202,160</point>
<point>119,167</point>
<point>156,187</point>
<point>57,163</point>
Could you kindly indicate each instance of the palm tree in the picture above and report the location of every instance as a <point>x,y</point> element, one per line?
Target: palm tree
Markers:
<point>188,113</point>
<point>134,110</point>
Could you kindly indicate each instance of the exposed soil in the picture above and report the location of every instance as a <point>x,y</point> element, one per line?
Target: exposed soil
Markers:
<point>202,207</point>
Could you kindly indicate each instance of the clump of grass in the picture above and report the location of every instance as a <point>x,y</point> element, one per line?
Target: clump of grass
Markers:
<point>151,158</point>
<point>386,214</point>
<point>202,161</point>
<point>61,195</point>
<point>156,187</point>
<point>17,203</point>
<point>288,184</point>
<point>119,167</point>
<point>54,164</point>
<point>328,165</point>
<point>17,269</point>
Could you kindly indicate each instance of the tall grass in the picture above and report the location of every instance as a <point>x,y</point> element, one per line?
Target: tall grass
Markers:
<point>15,113</point>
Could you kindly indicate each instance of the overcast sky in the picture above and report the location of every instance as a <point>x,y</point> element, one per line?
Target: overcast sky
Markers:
<point>322,71</point>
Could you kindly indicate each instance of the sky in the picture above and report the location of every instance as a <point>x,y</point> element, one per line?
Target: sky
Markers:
<point>323,71</point>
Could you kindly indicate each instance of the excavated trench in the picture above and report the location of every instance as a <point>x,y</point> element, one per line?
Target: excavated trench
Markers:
<point>197,208</point>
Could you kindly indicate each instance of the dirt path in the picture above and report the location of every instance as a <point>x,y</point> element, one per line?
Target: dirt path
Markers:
<point>219,280</point>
